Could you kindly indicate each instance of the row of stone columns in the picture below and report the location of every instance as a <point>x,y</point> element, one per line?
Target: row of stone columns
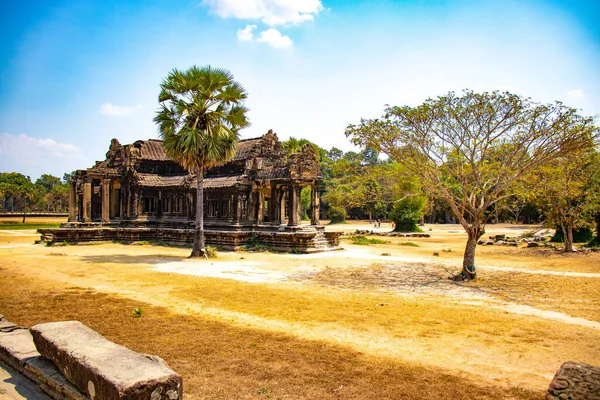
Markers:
<point>276,211</point>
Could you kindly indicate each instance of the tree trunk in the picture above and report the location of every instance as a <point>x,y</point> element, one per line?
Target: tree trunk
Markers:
<point>468,270</point>
<point>496,213</point>
<point>568,238</point>
<point>24,211</point>
<point>198,250</point>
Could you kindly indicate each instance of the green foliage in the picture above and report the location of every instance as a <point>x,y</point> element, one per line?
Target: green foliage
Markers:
<point>337,214</point>
<point>211,252</point>
<point>470,149</point>
<point>581,235</point>
<point>293,145</point>
<point>137,312</point>
<point>566,192</point>
<point>595,242</point>
<point>10,225</point>
<point>48,182</point>
<point>254,244</point>
<point>18,193</point>
<point>201,112</point>
<point>407,213</point>
<point>305,195</point>
<point>364,241</point>
<point>408,244</point>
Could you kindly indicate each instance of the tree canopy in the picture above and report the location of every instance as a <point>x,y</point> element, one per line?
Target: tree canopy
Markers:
<point>469,149</point>
<point>201,112</point>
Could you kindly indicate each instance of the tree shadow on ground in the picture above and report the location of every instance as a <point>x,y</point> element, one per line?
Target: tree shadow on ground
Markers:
<point>130,258</point>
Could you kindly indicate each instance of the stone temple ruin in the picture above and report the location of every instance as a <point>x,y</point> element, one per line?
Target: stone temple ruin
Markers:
<point>138,193</point>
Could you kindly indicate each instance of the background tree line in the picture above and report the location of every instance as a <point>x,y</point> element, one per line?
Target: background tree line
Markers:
<point>19,194</point>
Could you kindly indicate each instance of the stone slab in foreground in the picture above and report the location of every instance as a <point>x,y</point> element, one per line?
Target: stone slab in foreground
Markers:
<point>18,352</point>
<point>103,369</point>
<point>575,381</point>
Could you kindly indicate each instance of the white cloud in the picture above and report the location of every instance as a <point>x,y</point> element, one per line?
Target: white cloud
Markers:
<point>270,12</point>
<point>576,94</point>
<point>245,35</point>
<point>274,38</point>
<point>113,110</point>
<point>34,157</point>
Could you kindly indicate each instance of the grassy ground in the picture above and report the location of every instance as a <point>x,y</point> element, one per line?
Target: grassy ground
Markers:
<point>350,324</point>
<point>16,223</point>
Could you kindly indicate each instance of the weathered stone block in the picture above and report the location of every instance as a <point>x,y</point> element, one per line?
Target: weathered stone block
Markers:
<point>103,369</point>
<point>575,381</point>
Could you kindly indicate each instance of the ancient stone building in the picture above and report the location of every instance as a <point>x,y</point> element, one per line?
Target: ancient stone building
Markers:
<point>138,193</point>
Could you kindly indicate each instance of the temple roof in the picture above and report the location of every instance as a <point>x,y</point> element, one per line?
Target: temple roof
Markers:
<point>160,181</point>
<point>151,149</point>
<point>153,180</point>
<point>261,158</point>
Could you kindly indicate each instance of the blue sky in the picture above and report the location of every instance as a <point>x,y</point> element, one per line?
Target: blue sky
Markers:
<point>75,74</point>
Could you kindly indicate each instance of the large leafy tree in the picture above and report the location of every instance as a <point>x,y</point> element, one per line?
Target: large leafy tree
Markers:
<point>566,191</point>
<point>470,149</point>
<point>201,112</point>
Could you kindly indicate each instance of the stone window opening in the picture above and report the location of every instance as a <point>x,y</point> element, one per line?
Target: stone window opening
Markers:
<point>150,205</point>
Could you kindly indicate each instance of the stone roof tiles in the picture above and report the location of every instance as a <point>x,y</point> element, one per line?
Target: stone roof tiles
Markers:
<point>151,150</point>
<point>152,180</point>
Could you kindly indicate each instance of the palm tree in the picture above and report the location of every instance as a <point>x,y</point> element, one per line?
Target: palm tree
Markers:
<point>201,111</point>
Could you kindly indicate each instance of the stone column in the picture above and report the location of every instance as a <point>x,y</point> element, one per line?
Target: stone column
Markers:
<point>128,208</point>
<point>261,204</point>
<point>123,200</point>
<point>190,206</point>
<point>252,206</point>
<point>273,205</point>
<point>282,206</point>
<point>293,210</point>
<point>87,201</point>
<point>238,209</point>
<point>72,202</point>
<point>314,205</point>
<point>106,200</point>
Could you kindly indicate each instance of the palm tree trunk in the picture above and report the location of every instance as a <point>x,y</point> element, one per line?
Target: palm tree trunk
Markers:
<point>198,250</point>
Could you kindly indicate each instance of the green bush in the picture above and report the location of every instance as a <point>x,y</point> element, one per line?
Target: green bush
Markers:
<point>579,235</point>
<point>137,312</point>
<point>211,252</point>
<point>407,213</point>
<point>408,244</point>
<point>337,214</point>
<point>363,240</point>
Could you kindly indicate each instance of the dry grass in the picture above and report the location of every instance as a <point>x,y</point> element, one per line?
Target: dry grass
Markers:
<point>219,361</point>
<point>578,297</point>
<point>381,329</point>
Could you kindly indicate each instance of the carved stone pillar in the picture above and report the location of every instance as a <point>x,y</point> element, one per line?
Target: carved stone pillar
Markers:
<point>123,206</point>
<point>190,205</point>
<point>293,204</point>
<point>282,203</point>
<point>273,209</point>
<point>314,205</point>
<point>238,208</point>
<point>128,208</point>
<point>87,201</point>
<point>72,202</point>
<point>261,204</point>
<point>252,206</point>
<point>106,200</point>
